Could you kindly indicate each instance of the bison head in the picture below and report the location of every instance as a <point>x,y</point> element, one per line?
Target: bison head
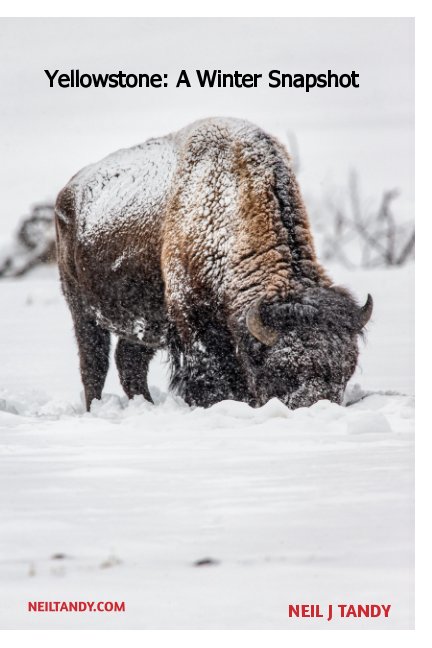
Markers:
<point>303,349</point>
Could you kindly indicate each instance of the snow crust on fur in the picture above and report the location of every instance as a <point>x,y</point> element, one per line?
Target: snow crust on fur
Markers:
<point>136,182</point>
<point>130,183</point>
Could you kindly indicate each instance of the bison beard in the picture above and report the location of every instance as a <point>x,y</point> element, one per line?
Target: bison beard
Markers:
<point>199,243</point>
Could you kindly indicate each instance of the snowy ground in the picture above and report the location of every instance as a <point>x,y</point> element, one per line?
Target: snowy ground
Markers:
<point>310,506</point>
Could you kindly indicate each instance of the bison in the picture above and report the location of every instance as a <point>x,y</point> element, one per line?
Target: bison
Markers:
<point>199,243</point>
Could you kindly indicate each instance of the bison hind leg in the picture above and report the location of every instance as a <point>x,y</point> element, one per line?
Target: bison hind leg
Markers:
<point>132,363</point>
<point>93,346</point>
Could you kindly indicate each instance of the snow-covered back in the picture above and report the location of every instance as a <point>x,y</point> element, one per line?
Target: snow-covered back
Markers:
<point>130,181</point>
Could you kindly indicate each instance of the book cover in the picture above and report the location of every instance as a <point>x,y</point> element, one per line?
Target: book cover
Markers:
<point>206,330</point>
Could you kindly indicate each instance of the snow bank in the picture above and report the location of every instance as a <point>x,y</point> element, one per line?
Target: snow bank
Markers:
<point>278,506</point>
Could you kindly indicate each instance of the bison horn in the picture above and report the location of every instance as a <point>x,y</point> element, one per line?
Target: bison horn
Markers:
<point>262,333</point>
<point>365,312</point>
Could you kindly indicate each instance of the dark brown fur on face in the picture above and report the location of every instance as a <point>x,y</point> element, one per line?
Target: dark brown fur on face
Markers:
<point>199,243</point>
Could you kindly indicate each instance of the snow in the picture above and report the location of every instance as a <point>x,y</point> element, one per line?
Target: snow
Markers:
<point>307,506</point>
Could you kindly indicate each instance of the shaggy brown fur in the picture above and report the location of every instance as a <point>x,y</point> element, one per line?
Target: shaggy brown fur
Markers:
<point>199,242</point>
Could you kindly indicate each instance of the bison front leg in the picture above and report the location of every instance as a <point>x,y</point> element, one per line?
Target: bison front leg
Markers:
<point>132,363</point>
<point>197,381</point>
<point>202,378</point>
